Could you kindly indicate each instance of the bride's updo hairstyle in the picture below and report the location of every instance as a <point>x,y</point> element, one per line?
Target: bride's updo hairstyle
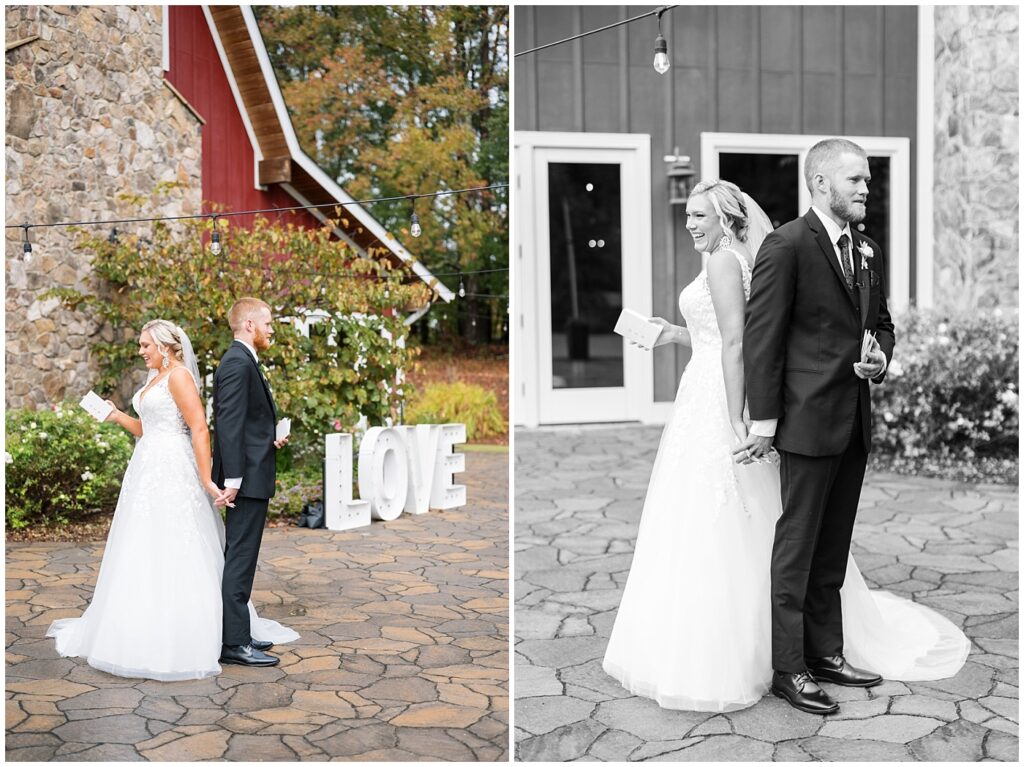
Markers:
<point>727,200</point>
<point>165,334</point>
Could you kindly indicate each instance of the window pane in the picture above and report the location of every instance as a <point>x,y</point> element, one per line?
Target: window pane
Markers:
<point>584,214</point>
<point>876,224</point>
<point>771,179</point>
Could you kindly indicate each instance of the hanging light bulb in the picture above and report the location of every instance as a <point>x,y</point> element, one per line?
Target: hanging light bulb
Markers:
<point>462,289</point>
<point>661,62</point>
<point>215,246</point>
<point>27,247</point>
<point>414,228</point>
<point>112,239</point>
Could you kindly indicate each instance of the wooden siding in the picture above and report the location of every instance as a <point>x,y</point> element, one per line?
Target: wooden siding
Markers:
<point>840,70</point>
<point>228,162</point>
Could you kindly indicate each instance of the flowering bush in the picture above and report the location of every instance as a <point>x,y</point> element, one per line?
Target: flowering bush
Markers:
<point>61,463</point>
<point>295,489</point>
<point>951,388</point>
<point>340,334</point>
<point>459,403</point>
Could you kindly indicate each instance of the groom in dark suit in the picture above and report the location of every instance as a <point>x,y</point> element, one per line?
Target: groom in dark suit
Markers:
<point>244,451</point>
<point>816,287</point>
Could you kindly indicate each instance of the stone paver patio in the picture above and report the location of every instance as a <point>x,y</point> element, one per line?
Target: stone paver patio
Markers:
<point>951,546</point>
<point>403,655</point>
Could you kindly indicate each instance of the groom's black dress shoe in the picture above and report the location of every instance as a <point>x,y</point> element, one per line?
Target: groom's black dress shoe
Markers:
<point>246,655</point>
<point>836,670</point>
<point>802,692</point>
<point>257,644</point>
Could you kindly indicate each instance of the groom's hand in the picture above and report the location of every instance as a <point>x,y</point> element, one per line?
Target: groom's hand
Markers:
<point>872,367</point>
<point>227,497</point>
<point>752,449</point>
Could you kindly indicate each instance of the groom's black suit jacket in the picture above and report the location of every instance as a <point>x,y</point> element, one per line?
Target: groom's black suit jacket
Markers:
<point>803,333</point>
<point>244,418</point>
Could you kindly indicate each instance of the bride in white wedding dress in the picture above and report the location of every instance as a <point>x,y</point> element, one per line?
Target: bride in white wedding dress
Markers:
<point>156,609</point>
<point>693,630</point>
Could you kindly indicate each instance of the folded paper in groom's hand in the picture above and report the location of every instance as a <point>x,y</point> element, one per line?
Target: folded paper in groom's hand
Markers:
<point>868,344</point>
<point>637,329</point>
<point>96,406</point>
<point>284,428</point>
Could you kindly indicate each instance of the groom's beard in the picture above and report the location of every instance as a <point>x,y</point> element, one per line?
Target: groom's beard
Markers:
<point>261,341</point>
<point>846,210</point>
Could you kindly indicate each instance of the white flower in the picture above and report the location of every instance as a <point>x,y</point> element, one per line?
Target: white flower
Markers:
<point>895,369</point>
<point>865,250</point>
<point>8,458</point>
<point>943,327</point>
<point>889,417</point>
<point>43,435</point>
<point>87,475</point>
<point>1008,398</point>
<point>31,424</point>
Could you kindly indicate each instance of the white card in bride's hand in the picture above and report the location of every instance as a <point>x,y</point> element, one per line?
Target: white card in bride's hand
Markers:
<point>96,406</point>
<point>636,328</point>
<point>284,428</point>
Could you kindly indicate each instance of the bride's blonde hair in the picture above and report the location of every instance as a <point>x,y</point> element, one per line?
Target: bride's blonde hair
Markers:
<point>165,334</point>
<point>727,199</point>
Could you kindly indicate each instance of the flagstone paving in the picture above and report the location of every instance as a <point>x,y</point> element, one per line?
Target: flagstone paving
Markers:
<point>403,654</point>
<point>952,546</point>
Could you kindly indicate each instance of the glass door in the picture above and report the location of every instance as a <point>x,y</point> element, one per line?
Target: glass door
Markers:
<point>590,259</point>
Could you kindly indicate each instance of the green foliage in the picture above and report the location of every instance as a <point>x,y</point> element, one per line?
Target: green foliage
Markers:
<point>295,488</point>
<point>396,100</point>
<point>61,463</point>
<point>951,389</point>
<point>348,364</point>
<point>459,403</point>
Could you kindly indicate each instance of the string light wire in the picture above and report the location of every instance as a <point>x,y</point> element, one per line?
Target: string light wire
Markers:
<point>656,12</point>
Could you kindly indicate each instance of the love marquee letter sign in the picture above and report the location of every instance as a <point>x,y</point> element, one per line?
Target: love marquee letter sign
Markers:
<point>401,468</point>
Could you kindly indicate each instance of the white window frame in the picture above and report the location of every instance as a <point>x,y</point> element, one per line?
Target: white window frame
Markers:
<point>897,149</point>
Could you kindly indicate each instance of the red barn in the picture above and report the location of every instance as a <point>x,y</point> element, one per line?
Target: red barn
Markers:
<point>216,62</point>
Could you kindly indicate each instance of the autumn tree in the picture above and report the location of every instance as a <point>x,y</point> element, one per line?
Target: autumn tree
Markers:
<point>410,100</point>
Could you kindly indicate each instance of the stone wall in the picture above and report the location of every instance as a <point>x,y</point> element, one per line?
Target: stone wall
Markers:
<point>89,120</point>
<point>977,167</point>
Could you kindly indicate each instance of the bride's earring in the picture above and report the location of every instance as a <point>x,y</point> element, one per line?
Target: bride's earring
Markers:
<point>167,359</point>
<point>724,242</point>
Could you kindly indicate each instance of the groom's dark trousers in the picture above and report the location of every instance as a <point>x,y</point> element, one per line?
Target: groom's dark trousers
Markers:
<point>812,540</point>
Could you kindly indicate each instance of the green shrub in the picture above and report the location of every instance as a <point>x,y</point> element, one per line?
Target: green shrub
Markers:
<point>951,388</point>
<point>459,403</point>
<point>61,464</point>
<point>295,488</point>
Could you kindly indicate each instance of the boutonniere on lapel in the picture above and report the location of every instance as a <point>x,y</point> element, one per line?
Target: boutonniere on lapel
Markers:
<point>865,253</point>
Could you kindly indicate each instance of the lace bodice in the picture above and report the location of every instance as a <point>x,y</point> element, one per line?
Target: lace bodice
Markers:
<point>158,410</point>
<point>699,312</point>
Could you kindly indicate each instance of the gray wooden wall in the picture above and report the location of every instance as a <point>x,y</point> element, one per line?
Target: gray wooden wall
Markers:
<point>849,70</point>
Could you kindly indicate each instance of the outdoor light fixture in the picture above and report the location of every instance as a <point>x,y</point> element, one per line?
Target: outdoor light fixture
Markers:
<point>661,62</point>
<point>27,248</point>
<point>112,239</point>
<point>215,247</point>
<point>680,178</point>
<point>414,228</point>
<point>462,289</point>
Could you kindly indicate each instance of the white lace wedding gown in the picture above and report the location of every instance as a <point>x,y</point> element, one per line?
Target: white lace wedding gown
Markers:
<point>693,630</point>
<point>156,609</point>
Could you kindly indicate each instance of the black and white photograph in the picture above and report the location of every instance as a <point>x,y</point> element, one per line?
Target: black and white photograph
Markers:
<point>765,383</point>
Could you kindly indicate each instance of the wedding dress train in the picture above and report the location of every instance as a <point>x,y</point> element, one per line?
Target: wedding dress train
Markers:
<point>156,609</point>
<point>693,630</point>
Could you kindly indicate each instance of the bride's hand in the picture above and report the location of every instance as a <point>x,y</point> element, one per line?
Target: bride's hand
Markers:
<point>113,414</point>
<point>739,427</point>
<point>668,331</point>
<point>214,492</point>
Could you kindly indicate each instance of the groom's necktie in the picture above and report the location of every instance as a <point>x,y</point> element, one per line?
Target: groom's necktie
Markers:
<point>844,254</point>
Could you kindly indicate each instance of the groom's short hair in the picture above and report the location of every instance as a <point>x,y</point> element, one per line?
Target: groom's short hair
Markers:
<point>244,309</point>
<point>825,154</point>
